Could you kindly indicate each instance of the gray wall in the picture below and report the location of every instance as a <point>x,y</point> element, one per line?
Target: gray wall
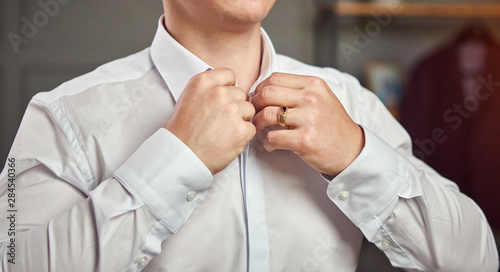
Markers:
<point>290,25</point>
<point>61,41</point>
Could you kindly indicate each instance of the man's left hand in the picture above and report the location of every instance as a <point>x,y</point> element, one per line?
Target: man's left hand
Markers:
<point>319,130</point>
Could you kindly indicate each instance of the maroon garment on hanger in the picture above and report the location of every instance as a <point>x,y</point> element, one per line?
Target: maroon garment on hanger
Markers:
<point>456,129</point>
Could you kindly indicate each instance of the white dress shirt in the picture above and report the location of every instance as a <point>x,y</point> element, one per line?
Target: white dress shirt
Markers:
<point>101,186</point>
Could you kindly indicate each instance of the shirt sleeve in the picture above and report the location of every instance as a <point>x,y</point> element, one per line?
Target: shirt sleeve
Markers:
<point>59,225</point>
<point>420,220</point>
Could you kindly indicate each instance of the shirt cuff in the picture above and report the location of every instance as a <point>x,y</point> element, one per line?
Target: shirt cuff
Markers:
<point>167,176</point>
<point>371,182</point>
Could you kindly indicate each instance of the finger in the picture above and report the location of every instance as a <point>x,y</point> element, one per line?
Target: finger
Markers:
<point>291,81</point>
<point>269,116</point>
<point>282,139</point>
<point>247,110</point>
<point>243,133</point>
<point>234,92</point>
<point>250,131</point>
<point>277,96</point>
<point>221,76</point>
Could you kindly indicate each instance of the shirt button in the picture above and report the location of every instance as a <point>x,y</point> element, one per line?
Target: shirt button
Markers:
<point>344,195</point>
<point>191,195</point>
<point>387,244</point>
<point>143,260</point>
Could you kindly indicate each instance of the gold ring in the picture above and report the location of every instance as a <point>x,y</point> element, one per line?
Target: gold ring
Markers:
<point>282,116</point>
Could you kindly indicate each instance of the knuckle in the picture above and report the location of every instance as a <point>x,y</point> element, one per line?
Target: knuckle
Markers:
<point>274,78</point>
<point>239,131</point>
<point>195,82</point>
<point>311,98</point>
<point>218,93</point>
<point>250,133</point>
<point>203,77</point>
<point>222,74</point>
<point>202,81</point>
<point>251,108</point>
<point>226,70</point>
<point>267,92</point>
<point>315,81</point>
<point>258,120</point>
<point>243,134</point>
<point>270,139</point>
<point>232,109</point>
<point>267,146</point>
<point>240,94</point>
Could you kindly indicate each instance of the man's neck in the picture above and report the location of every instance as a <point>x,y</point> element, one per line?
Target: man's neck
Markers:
<point>238,50</point>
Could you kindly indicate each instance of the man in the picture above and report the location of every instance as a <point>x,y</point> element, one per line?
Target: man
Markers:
<point>209,152</point>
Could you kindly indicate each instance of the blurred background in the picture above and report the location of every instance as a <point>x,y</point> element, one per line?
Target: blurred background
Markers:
<point>433,63</point>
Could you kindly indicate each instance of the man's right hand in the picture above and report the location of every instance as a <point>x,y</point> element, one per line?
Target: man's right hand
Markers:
<point>213,118</point>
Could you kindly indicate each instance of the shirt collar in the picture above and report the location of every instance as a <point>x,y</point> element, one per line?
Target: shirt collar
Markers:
<point>177,65</point>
